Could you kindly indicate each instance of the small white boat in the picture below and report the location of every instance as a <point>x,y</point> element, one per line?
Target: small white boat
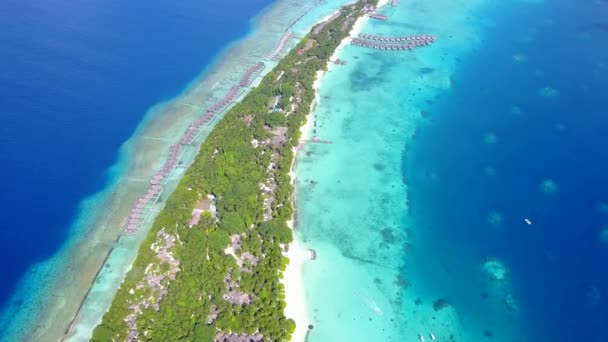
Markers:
<point>433,336</point>
<point>527,221</point>
<point>420,337</point>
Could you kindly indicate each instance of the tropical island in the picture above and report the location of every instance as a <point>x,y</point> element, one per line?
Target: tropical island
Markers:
<point>210,267</point>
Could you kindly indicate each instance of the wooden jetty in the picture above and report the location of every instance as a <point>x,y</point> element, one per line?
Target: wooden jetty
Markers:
<point>378,16</point>
<point>316,141</point>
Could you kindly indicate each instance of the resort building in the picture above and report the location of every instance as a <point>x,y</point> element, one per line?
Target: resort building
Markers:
<point>204,205</point>
<point>279,136</point>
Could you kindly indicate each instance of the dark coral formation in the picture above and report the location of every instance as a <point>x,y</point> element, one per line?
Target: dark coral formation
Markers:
<point>388,236</point>
<point>440,304</point>
<point>401,281</point>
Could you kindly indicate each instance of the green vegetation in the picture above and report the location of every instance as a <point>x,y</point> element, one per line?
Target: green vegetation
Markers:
<point>231,168</point>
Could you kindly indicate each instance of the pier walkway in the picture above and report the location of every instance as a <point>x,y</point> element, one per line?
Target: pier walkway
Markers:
<point>316,141</point>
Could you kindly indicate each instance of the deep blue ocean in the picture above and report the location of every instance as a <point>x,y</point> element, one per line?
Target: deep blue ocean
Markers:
<point>76,78</point>
<point>486,147</point>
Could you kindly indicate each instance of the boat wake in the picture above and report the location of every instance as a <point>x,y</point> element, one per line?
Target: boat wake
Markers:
<point>371,304</point>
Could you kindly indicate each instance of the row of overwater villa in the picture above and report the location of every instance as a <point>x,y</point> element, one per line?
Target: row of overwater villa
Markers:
<point>430,38</point>
<point>251,74</point>
<point>379,42</point>
<point>141,211</point>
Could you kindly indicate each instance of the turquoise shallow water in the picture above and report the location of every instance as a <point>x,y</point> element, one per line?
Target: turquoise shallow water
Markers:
<point>464,193</point>
<point>352,197</point>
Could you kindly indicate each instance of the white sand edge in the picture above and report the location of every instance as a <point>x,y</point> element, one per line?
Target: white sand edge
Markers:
<point>305,130</point>
<point>295,296</point>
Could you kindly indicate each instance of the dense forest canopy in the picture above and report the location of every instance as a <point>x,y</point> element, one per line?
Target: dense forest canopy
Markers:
<point>183,285</point>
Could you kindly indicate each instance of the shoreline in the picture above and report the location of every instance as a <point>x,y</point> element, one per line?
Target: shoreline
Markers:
<point>295,298</point>
<point>329,228</point>
<point>204,166</point>
<point>295,252</point>
<point>295,295</point>
<point>295,292</point>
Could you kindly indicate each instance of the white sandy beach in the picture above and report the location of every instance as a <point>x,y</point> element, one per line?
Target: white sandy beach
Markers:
<point>305,130</point>
<point>357,27</point>
<point>294,289</point>
<point>295,295</point>
<point>336,313</point>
